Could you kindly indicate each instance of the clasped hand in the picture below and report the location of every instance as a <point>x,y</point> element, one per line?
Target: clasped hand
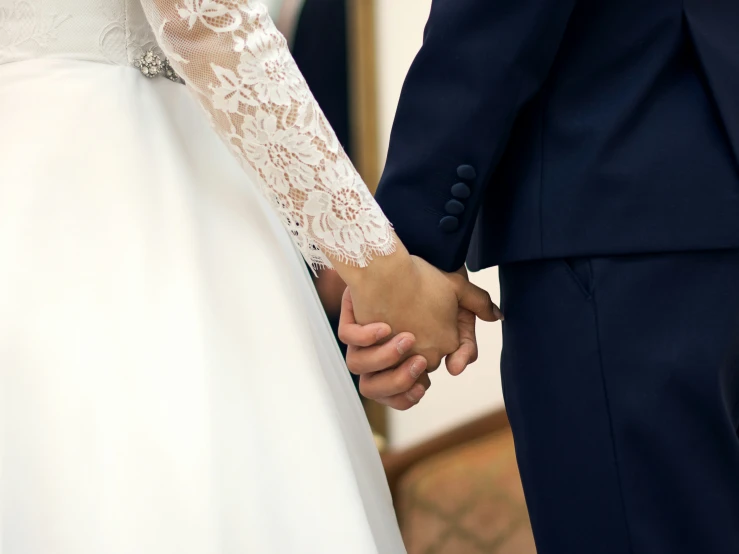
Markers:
<point>399,329</point>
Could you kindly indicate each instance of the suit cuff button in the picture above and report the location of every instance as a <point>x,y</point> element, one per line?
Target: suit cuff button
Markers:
<point>461,190</point>
<point>449,224</point>
<point>454,207</point>
<point>466,173</point>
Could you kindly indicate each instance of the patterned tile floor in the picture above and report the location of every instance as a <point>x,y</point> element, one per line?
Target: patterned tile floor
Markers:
<point>466,501</point>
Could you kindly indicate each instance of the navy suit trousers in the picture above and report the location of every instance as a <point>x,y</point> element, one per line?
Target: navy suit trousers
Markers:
<point>621,381</point>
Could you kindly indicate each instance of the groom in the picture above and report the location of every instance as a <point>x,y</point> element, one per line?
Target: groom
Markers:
<point>591,150</point>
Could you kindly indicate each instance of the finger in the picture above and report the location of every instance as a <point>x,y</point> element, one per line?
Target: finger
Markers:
<point>433,360</point>
<point>467,352</point>
<point>399,403</point>
<point>372,359</point>
<point>347,307</point>
<point>392,382</point>
<point>351,333</point>
<point>425,380</point>
<point>458,361</point>
<point>363,335</point>
<point>416,394</point>
<point>406,400</point>
<point>478,301</point>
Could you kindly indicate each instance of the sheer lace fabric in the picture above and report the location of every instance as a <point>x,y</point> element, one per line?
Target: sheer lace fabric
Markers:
<point>105,31</point>
<point>230,53</point>
<point>233,57</point>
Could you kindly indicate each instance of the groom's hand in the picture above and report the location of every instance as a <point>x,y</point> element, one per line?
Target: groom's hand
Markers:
<point>389,372</point>
<point>371,354</point>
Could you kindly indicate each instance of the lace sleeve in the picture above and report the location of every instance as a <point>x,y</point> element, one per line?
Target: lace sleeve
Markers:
<point>232,56</point>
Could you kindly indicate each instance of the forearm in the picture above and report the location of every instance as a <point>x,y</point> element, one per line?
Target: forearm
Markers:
<point>232,57</point>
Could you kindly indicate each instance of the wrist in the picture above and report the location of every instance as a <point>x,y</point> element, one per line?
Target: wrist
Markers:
<point>380,271</point>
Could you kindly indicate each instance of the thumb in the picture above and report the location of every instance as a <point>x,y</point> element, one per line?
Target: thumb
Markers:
<point>456,362</point>
<point>353,334</point>
<point>478,301</point>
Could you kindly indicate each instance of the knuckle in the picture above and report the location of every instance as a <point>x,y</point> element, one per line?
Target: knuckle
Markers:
<point>456,279</point>
<point>385,402</point>
<point>402,377</point>
<point>452,345</point>
<point>366,390</point>
<point>434,361</point>
<point>390,356</point>
<point>382,388</point>
<point>403,381</point>
<point>351,362</point>
<point>402,405</point>
<point>343,334</point>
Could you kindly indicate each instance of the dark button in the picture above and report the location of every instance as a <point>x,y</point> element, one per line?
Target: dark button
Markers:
<point>449,224</point>
<point>454,207</point>
<point>460,190</point>
<point>466,172</point>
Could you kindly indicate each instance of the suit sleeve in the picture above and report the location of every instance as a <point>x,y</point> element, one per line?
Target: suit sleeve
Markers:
<point>480,62</point>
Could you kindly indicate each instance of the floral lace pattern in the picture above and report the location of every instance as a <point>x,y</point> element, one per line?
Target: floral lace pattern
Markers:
<point>107,31</point>
<point>231,54</point>
<point>23,27</point>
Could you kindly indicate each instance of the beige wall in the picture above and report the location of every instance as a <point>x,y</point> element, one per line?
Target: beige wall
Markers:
<point>450,401</point>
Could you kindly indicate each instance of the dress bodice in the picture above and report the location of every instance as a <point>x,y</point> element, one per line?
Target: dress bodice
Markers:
<point>239,68</point>
<point>108,31</point>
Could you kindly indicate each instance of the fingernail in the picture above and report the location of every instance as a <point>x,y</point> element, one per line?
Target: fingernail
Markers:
<point>498,314</point>
<point>416,393</point>
<point>417,368</point>
<point>382,333</point>
<point>404,346</point>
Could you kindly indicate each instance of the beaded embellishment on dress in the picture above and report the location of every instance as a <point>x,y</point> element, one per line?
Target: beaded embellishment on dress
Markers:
<point>152,65</point>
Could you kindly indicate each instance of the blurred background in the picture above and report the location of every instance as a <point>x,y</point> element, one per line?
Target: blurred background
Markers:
<point>450,460</point>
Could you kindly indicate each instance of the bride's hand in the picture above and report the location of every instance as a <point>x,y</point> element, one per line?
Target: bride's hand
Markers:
<point>386,372</point>
<point>410,295</point>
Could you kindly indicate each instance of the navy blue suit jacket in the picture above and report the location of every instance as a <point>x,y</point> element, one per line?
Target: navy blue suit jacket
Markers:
<point>562,128</point>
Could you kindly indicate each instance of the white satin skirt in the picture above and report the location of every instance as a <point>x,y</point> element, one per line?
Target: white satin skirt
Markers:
<point>168,381</point>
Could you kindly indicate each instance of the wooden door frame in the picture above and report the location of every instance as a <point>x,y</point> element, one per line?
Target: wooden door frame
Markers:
<point>364,124</point>
<point>363,88</point>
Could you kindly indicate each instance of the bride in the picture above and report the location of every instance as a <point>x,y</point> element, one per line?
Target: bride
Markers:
<point>168,382</point>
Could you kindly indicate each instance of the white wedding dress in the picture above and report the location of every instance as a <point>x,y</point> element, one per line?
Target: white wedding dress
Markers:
<point>168,382</point>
